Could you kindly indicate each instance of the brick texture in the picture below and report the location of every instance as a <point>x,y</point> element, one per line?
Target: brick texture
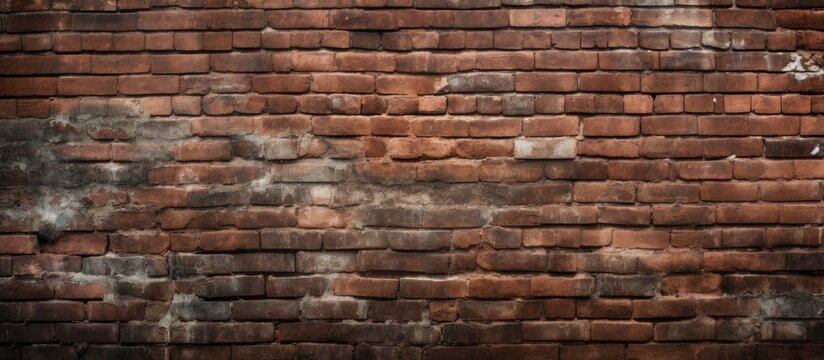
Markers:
<point>411,179</point>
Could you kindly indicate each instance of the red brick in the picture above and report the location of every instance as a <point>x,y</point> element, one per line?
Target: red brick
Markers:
<point>432,288</point>
<point>298,19</point>
<point>795,104</point>
<point>37,22</point>
<point>218,104</point>
<point>683,215</point>
<point>672,17</point>
<point>627,60</point>
<point>671,83</point>
<point>612,82</point>
<point>85,85</point>
<point>790,191</point>
<point>97,42</point>
<point>668,192</point>
<point>18,244</point>
<point>637,104</point>
<point>624,215</point>
<point>281,83</point>
<point>575,330</point>
<point>721,191</point>
<point>537,18</point>
<point>621,331</point>
<point>42,86</point>
<point>265,310</point>
<point>364,62</point>
<point>671,262</point>
<point>740,18</point>
<point>611,126</point>
<point>78,244</point>
<point>362,20</point>
<point>104,312</point>
<point>566,287</point>
<point>566,60</point>
<point>253,218</point>
<point>141,243</point>
<point>211,333</point>
<point>83,152</point>
<point>748,213</point>
<point>698,329</point>
<point>687,60</point>
<point>58,64</point>
<point>366,287</point>
<point>343,83</point>
<point>546,82</point>
<point>204,151</point>
<point>241,62</point>
<point>318,217</point>
<point>341,125</point>
<point>590,351</point>
<point>699,170</point>
<point>640,239</point>
<point>730,83</point>
<point>41,264</point>
<point>604,309</point>
<point>669,125</point>
<point>759,169</point>
<point>179,64</point>
<point>609,148</point>
<point>599,17</point>
<point>144,85</point>
<point>690,284</point>
<point>37,42</point>
<point>505,61</point>
<point>33,108</point>
<point>548,126</point>
<point>408,262</point>
<point>479,149</point>
<point>745,40</point>
<point>605,192</point>
<point>481,19</point>
<point>406,84</point>
<point>156,105</point>
<point>663,308</point>
<point>53,311</point>
<point>120,64</point>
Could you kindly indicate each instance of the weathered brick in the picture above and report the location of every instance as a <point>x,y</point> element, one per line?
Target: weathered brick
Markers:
<point>556,331</point>
<point>322,179</point>
<point>18,244</point>
<point>697,329</point>
<point>562,286</point>
<point>621,331</point>
<point>241,62</point>
<point>537,18</point>
<point>210,333</point>
<point>545,148</point>
<point>627,286</point>
<point>671,17</point>
<point>362,20</point>
<point>366,287</point>
<point>480,82</point>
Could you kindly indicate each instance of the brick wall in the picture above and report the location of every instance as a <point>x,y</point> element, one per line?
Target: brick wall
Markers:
<point>411,179</point>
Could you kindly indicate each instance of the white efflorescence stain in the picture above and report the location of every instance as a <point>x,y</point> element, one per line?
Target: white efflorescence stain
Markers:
<point>802,67</point>
<point>816,149</point>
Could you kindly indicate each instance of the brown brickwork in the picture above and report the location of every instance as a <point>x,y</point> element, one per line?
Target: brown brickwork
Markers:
<point>411,179</point>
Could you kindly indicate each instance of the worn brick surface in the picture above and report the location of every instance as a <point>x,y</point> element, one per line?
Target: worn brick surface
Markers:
<point>411,179</point>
